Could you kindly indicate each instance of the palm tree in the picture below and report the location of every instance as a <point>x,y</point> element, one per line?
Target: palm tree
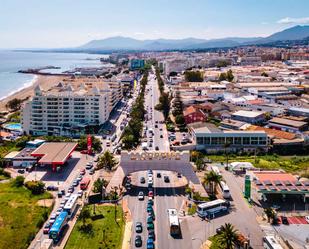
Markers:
<point>212,179</point>
<point>228,236</point>
<point>107,161</point>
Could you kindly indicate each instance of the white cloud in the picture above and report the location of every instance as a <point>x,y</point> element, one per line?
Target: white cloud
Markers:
<point>290,20</point>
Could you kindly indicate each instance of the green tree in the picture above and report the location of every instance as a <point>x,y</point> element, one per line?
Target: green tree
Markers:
<point>226,76</point>
<point>98,185</point>
<point>14,104</point>
<point>194,76</point>
<point>222,63</point>
<point>84,215</point>
<point>179,119</point>
<point>228,236</point>
<point>107,161</point>
<point>19,181</point>
<point>212,179</point>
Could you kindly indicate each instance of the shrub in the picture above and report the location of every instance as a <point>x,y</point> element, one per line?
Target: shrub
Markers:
<point>19,181</point>
<point>36,187</point>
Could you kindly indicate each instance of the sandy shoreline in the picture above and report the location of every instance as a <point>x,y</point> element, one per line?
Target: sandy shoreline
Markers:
<point>45,82</point>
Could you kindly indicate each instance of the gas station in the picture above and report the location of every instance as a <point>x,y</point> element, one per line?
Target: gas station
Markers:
<point>54,154</point>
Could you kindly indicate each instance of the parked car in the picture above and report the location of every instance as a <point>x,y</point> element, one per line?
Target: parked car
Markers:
<point>59,210</point>
<point>89,166</point>
<point>91,171</point>
<point>138,227</point>
<point>157,148</point>
<point>151,234</point>
<point>82,171</point>
<point>59,194</point>
<point>307,219</point>
<point>178,175</point>
<point>150,244</point>
<point>52,188</point>
<point>46,228</point>
<point>75,183</point>
<point>166,179</point>
<point>138,241</point>
<point>158,175</point>
<point>150,194</point>
<point>284,220</point>
<point>21,171</point>
<point>80,193</point>
<point>161,136</point>
<point>141,196</point>
<point>142,180</point>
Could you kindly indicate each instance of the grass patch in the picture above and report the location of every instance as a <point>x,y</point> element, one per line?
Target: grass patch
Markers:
<point>192,210</point>
<point>20,216</point>
<point>103,220</point>
<point>292,164</point>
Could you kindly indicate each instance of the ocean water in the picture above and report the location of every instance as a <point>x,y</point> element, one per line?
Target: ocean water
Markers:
<point>12,61</point>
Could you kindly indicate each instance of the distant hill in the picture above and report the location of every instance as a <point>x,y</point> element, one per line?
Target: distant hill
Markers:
<point>119,43</point>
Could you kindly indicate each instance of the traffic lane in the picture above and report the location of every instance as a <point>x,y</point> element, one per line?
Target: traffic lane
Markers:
<point>138,208</point>
<point>168,198</point>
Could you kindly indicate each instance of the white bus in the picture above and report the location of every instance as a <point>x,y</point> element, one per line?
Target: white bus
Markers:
<point>216,170</point>
<point>173,222</point>
<point>211,208</point>
<point>71,205</point>
<point>225,190</point>
<point>269,242</point>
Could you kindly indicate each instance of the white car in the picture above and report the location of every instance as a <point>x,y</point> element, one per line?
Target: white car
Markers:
<point>150,181</point>
<point>141,196</point>
<point>67,196</point>
<point>59,210</point>
<point>307,218</point>
<point>80,193</point>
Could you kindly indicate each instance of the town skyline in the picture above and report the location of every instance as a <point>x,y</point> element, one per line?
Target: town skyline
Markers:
<point>57,24</point>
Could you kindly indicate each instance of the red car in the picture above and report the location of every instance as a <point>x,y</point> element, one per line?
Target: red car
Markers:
<point>46,228</point>
<point>82,171</point>
<point>150,194</point>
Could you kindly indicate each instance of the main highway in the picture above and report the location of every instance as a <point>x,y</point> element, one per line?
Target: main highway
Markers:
<point>166,195</point>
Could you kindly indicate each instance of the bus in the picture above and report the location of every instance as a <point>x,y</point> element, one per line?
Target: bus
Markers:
<point>173,222</point>
<point>216,170</point>
<point>269,242</point>
<point>71,205</point>
<point>84,183</point>
<point>57,229</point>
<point>211,208</point>
<point>225,190</point>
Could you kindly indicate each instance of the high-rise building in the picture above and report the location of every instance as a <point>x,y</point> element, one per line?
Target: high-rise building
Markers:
<point>68,109</point>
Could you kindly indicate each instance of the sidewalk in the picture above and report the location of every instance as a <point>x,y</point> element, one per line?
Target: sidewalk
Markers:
<point>126,242</point>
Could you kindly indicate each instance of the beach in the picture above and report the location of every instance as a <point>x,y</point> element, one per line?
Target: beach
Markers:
<point>45,83</point>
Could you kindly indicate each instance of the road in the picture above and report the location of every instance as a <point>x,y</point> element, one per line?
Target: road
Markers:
<point>166,194</point>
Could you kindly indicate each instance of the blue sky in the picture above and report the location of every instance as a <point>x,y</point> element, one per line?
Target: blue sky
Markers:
<point>69,23</point>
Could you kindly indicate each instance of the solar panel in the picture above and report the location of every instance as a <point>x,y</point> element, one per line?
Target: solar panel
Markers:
<point>287,183</point>
<point>261,187</point>
<point>277,183</point>
<point>292,188</point>
<point>282,188</point>
<point>302,188</point>
<point>297,183</point>
<point>267,182</point>
<point>272,188</point>
<point>258,183</point>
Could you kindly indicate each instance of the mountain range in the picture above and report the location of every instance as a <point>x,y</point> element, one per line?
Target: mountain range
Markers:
<point>126,43</point>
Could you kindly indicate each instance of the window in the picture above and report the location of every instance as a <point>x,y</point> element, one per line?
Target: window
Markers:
<point>221,140</point>
<point>237,140</point>
<point>206,140</point>
<point>199,140</point>
<point>214,140</point>
<point>254,140</point>
<point>246,140</point>
<point>229,140</point>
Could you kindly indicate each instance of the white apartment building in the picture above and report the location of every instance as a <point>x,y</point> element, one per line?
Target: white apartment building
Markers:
<point>69,109</point>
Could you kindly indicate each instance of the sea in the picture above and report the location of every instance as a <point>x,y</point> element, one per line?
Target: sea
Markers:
<point>11,61</point>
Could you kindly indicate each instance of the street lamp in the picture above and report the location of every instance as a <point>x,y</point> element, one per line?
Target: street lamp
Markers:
<point>199,240</point>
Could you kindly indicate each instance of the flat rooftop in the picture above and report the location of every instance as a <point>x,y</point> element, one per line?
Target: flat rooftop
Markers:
<point>248,114</point>
<point>288,122</point>
<point>54,153</point>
